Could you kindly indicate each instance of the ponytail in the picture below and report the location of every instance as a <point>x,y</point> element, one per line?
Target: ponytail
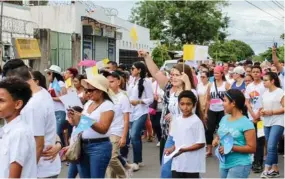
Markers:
<point>141,87</point>
<point>244,111</point>
<point>142,67</point>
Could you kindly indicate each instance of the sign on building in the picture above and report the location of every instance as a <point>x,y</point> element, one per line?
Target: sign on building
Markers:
<point>26,48</point>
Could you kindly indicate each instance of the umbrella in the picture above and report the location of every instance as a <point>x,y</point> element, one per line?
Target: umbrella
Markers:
<point>87,63</point>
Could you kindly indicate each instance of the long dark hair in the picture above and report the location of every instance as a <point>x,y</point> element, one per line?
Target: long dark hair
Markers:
<point>41,78</point>
<point>141,66</point>
<point>235,95</point>
<point>188,72</point>
<point>58,76</point>
<point>273,76</point>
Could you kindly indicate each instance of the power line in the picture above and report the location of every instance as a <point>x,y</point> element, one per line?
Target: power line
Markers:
<point>263,10</point>
<point>273,8</point>
<point>277,4</point>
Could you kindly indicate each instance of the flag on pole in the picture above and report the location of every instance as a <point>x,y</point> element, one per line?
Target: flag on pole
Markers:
<point>85,123</point>
<point>56,86</point>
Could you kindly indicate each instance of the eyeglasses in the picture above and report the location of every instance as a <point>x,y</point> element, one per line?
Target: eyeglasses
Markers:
<point>89,90</point>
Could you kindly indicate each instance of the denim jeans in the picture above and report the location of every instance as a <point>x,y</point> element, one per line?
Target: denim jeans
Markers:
<point>272,135</point>
<point>241,171</point>
<point>165,170</point>
<point>73,169</point>
<point>95,159</point>
<point>136,130</point>
<point>61,122</point>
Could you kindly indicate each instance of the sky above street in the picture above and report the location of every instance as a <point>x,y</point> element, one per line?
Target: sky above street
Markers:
<point>247,23</point>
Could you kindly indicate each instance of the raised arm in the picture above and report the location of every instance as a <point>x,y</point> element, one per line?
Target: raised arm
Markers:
<point>153,69</point>
<point>276,60</point>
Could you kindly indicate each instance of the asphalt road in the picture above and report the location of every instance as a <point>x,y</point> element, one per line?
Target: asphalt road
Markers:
<point>152,166</point>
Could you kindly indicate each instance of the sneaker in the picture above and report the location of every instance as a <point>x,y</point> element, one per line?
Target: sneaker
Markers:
<point>135,167</point>
<point>141,164</point>
<point>257,168</point>
<point>273,174</point>
<point>264,174</point>
<point>158,144</point>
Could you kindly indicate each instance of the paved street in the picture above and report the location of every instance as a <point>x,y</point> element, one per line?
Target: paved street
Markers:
<point>152,167</point>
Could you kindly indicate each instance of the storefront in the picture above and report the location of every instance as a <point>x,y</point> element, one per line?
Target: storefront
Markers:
<point>99,40</point>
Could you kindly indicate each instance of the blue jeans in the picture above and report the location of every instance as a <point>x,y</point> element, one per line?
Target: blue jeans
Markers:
<point>165,170</point>
<point>73,169</point>
<point>95,159</point>
<point>61,122</point>
<point>136,130</point>
<point>272,136</point>
<point>241,171</point>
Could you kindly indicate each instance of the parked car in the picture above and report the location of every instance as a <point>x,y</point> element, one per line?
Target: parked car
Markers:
<point>168,64</point>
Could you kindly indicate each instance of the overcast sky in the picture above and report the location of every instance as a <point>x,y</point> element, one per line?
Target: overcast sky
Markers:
<point>248,23</point>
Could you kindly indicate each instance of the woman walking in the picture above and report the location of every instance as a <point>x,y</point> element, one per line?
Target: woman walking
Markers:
<point>273,120</point>
<point>141,96</point>
<point>237,163</point>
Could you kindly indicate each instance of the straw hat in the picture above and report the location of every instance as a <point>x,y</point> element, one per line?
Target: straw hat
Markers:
<point>98,82</point>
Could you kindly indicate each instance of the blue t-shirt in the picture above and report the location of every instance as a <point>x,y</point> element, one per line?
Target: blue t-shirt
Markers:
<point>236,129</point>
<point>242,87</point>
<point>211,79</point>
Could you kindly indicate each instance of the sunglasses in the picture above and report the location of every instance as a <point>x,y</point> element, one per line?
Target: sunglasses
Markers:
<point>89,90</point>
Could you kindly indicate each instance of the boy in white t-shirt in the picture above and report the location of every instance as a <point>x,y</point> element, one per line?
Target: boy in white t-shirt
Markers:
<point>189,136</point>
<point>253,95</point>
<point>18,147</point>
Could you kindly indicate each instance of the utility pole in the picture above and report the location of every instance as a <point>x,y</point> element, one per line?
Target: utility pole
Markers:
<point>1,28</point>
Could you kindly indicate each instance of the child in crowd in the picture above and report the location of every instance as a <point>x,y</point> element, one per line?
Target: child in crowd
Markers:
<point>188,132</point>
<point>18,147</point>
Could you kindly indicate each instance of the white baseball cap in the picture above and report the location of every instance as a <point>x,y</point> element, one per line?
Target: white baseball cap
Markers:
<point>239,70</point>
<point>54,68</point>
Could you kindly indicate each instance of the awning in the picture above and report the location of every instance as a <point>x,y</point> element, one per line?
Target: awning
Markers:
<point>96,21</point>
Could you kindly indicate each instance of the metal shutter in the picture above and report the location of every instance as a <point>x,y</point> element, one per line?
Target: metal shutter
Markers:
<point>101,48</point>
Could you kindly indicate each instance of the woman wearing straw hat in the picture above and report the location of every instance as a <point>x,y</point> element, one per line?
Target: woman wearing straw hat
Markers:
<point>96,145</point>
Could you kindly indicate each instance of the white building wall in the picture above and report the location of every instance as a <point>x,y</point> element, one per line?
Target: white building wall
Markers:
<point>126,42</point>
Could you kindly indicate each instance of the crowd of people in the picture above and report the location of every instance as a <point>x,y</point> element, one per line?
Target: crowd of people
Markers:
<point>188,110</point>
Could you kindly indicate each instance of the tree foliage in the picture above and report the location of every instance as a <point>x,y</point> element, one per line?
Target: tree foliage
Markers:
<point>160,54</point>
<point>268,54</point>
<point>233,50</point>
<point>181,22</point>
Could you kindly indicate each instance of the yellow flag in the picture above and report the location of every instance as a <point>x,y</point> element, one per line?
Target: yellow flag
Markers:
<point>94,70</point>
<point>188,52</point>
<point>68,83</point>
<point>105,61</point>
<point>260,125</point>
<point>134,35</point>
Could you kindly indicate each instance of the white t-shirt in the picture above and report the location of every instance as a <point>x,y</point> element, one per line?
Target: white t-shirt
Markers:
<point>157,90</point>
<point>18,145</point>
<point>191,131</point>
<point>121,105</point>
<point>281,77</point>
<point>39,115</point>
<point>173,108</point>
<point>59,106</point>
<point>202,89</point>
<point>272,101</point>
<point>216,103</point>
<point>95,115</point>
<point>254,94</point>
<point>147,98</point>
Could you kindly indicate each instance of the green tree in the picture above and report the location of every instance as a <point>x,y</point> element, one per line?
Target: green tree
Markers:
<point>282,36</point>
<point>160,54</point>
<point>233,50</point>
<point>182,22</point>
<point>268,54</point>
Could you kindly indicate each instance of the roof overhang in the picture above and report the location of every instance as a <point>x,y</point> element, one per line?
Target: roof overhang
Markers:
<point>88,20</point>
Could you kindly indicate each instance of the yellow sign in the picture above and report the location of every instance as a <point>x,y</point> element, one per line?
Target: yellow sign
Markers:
<point>134,35</point>
<point>260,125</point>
<point>105,61</point>
<point>94,70</point>
<point>68,83</point>
<point>188,52</point>
<point>26,48</point>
